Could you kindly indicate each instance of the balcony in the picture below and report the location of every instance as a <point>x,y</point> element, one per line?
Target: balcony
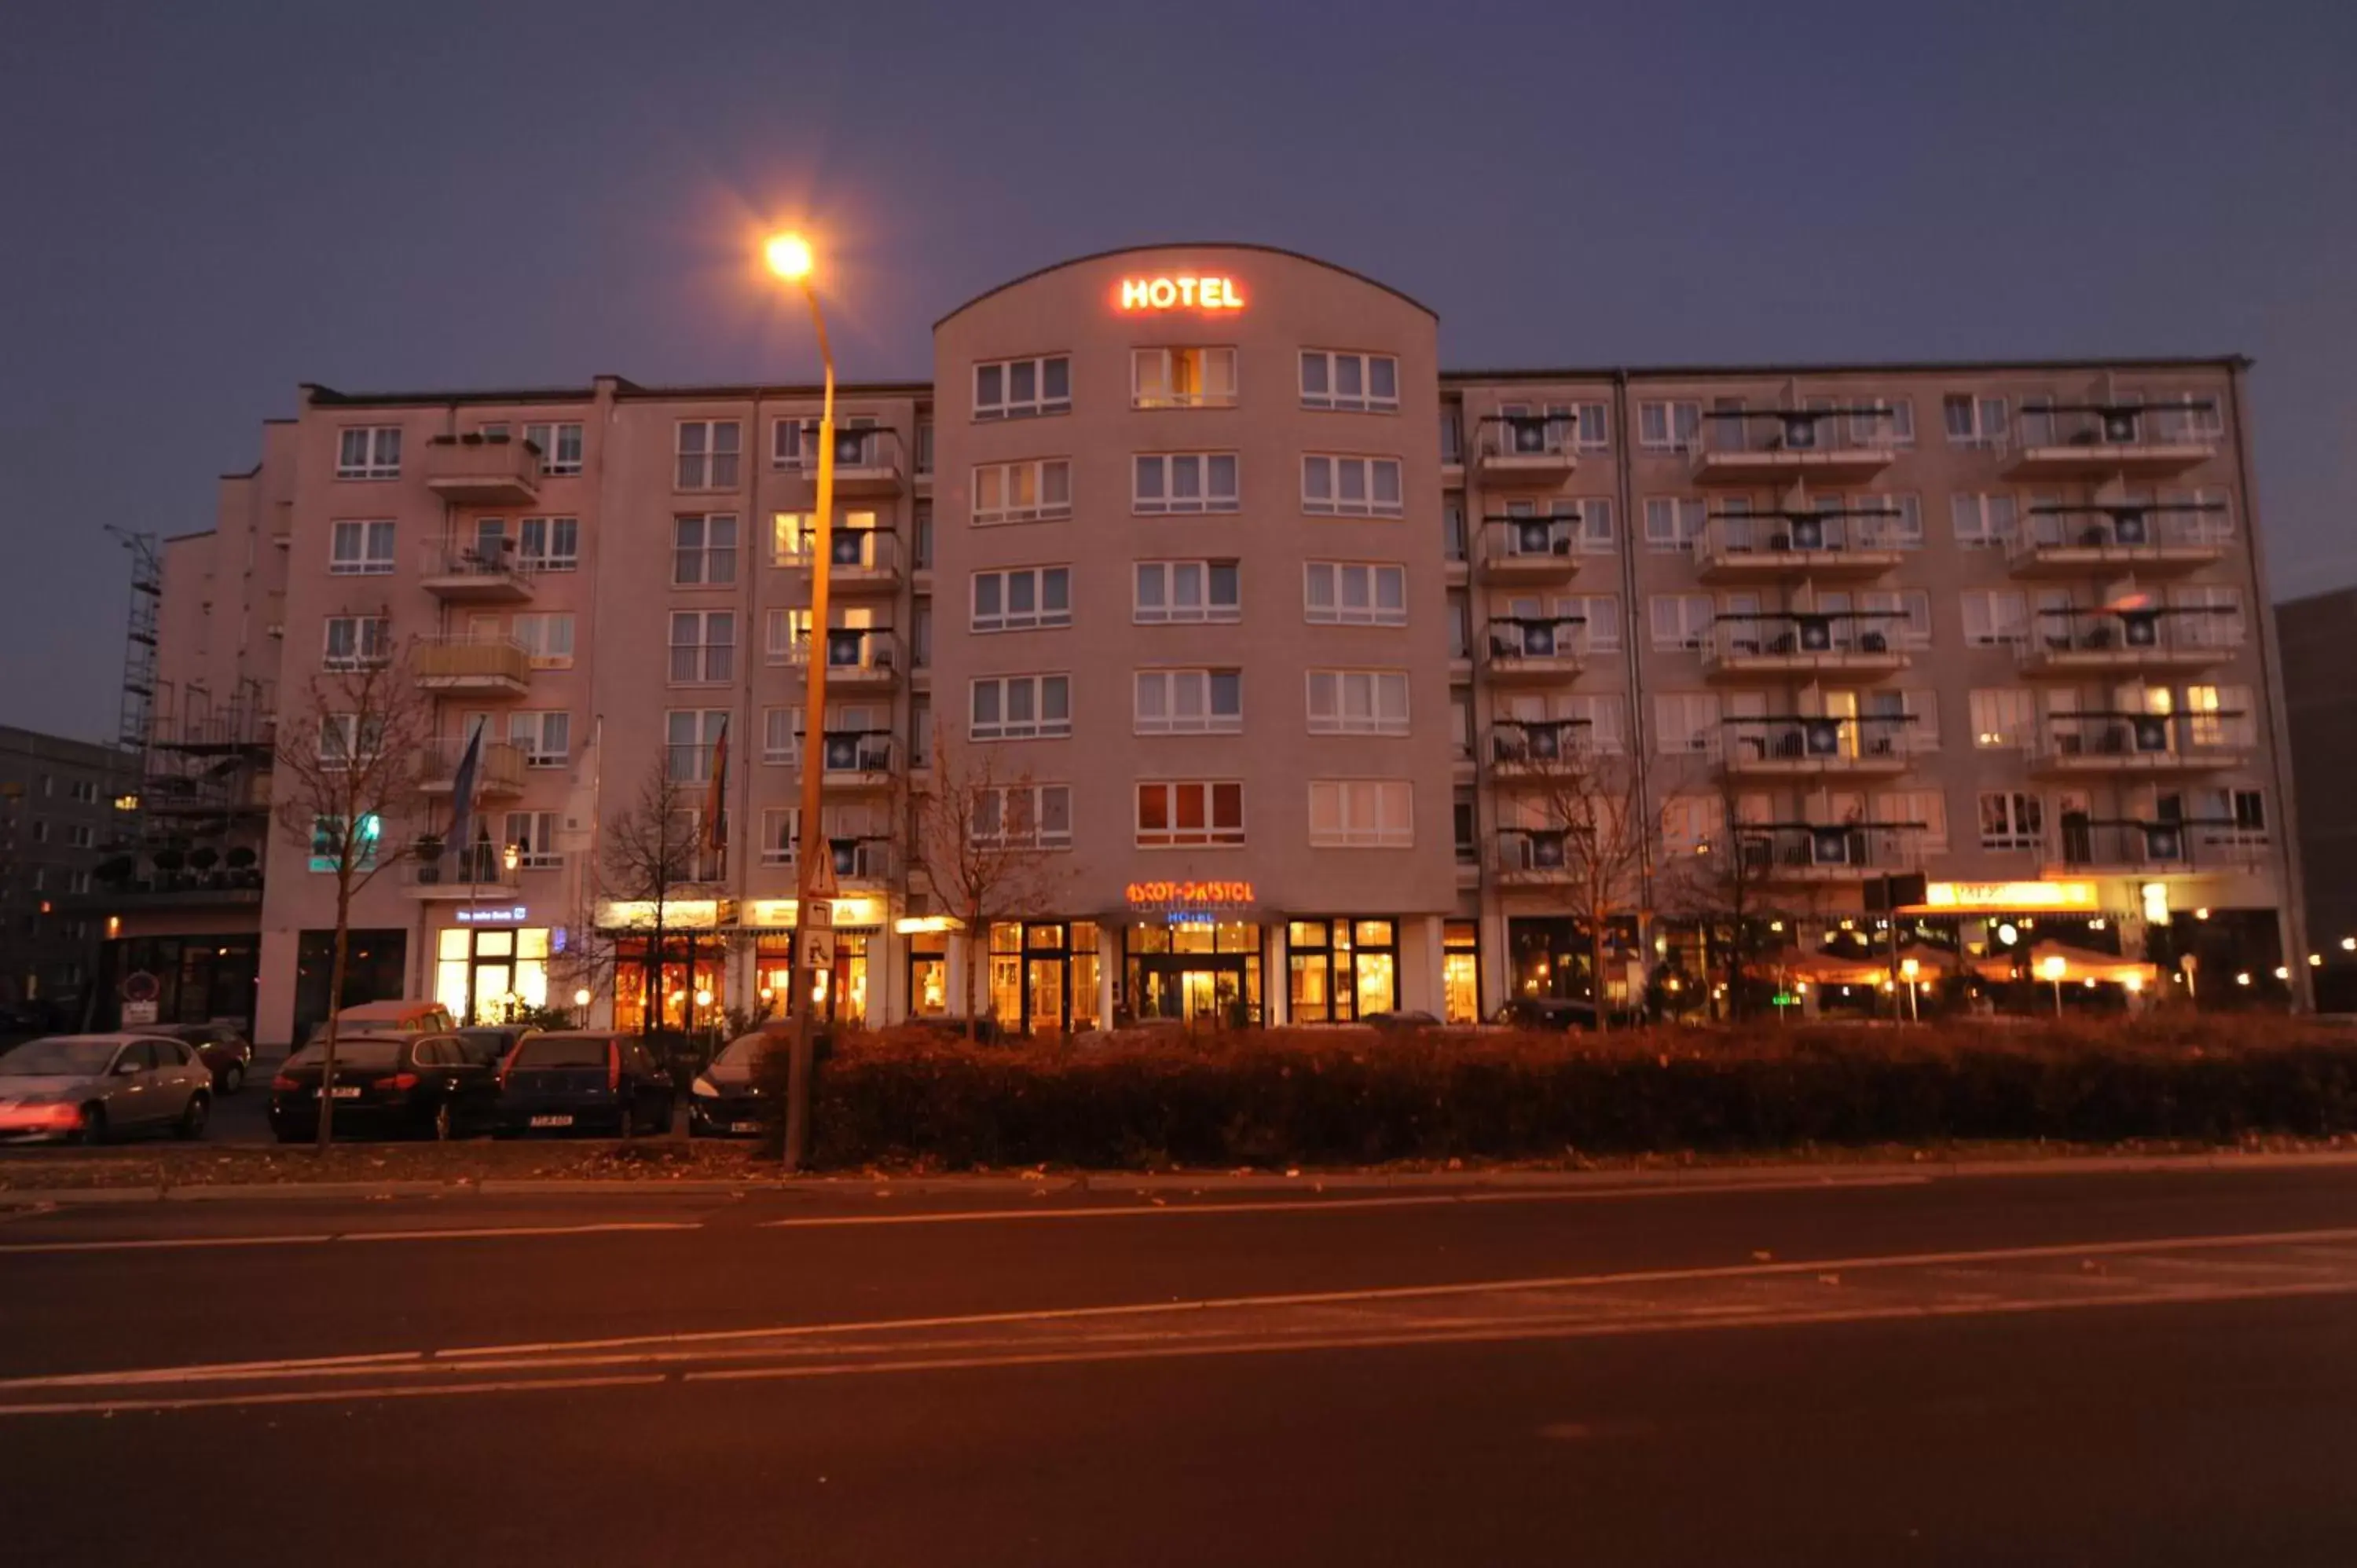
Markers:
<point>870,460</point>
<point>463,574</point>
<point>1522,749</point>
<point>1804,643</point>
<point>1782,445</point>
<point>1812,745</point>
<point>1530,857</point>
<point>499,767</point>
<point>2076,541</point>
<point>2165,639</point>
<point>2095,441</point>
<point>464,665</point>
<point>1814,852</point>
<point>859,561</point>
<point>858,659</point>
<point>2100,743</point>
<point>476,470</point>
<point>1535,648</point>
<point>480,875</point>
<point>1776,547</point>
<point>864,862</point>
<point>1527,450</point>
<point>1528,549</point>
<point>2128,847</point>
<point>858,758</point>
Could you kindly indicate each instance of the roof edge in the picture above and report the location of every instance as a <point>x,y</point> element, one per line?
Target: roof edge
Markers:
<point>1841,367</point>
<point>1187,245</point>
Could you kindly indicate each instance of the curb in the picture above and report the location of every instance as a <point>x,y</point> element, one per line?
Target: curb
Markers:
<point>1305,1181</point>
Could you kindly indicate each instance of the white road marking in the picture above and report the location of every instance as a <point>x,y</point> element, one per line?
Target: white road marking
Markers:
<point>315,1396</point>
<point>1213,1209</point>
<point>163,1244</point>
<point>324,1238</point>
<point>488,1230</point>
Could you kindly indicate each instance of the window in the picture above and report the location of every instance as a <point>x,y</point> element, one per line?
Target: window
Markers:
<point>1350,592</point>
<point>703,646</point>
<point>1184,482</point>
<point>1458,604</point>
<point>1926,811</point>
<point>1019,388</point>
<point>369,451</point>
<point>1892,423</point>
<point>1452,436</point>
<point>1913,716</point>
<point>1973,421</point>
<point>1022,598</point>
<point>78,835</point>
<point>1020,707</point>
<point>1188,702</point>
<point>1994,617</point>
<point>782,829</point>
<point>1188,813</point>
<point>1600,617</point>
<point>1171,591</point>
<point>924,464</point>
<point>690,735</point>
<point>1357,383</point>
<point>1591,426</point>
<point>1668,426</point>
<point>1350,487</point>
<point>545,737</point>
<point>1906,616</point>
<point>1982,522</point>
<point>2211,616</point>
<point>1590,523</point>
<point>1603,731</point>
<point>1674,523</point>
<point>547,638</point>
<point>707,452</point>
<point>1182,378</point>
<point>356,642</point>
<point>852,540</point>
<point>704,550</point>
<point>330,845</point>
<point>1357,701</point>
<point>1684,721</point>
<point>1362,813</point>
<point>2012,819</point>
<point>1022,492</point>
<point>344,739</point>
<point>560,447</point>
<point>1023,816</point>
<point>1680,622</point>
<point>920,622</point>
<point>2187,417</point>
<point>360,549</point>
<point>2003,717</point>
<point>533,834</point>
<point>549,544</point>
<point>782,733</point>
<point>2220,716</point>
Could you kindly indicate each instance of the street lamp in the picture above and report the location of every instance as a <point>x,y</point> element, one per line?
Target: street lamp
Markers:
<point>789,256</point>
<point>2054,967</point>
<point>1910,969</point>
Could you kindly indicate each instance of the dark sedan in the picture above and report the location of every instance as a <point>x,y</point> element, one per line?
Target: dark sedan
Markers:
<point>1550,1013</point>
<point>225,1049</point>
<point>730,1098</point>
<point>423,1086</point>
<point>583,1081</point>
<point>491,1043</point>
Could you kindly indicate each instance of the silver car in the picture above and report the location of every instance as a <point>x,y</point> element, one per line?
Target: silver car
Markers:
<point>90,1088</point>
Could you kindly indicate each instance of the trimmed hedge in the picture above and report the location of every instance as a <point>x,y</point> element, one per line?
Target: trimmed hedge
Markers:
<point>1353,1097</point>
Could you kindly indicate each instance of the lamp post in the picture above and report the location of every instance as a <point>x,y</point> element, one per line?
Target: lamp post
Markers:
<point>789,256</point>
<point>2054,967</point>
<point>1910,968</point>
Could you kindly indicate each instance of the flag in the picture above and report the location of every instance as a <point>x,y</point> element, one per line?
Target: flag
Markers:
<point>715,811</point>
<point>462,788</point>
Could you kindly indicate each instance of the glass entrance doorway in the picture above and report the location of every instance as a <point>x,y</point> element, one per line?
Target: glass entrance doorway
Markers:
<point>1193,987</point>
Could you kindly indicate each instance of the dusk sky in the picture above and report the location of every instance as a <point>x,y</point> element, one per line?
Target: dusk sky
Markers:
<point>210,203</point>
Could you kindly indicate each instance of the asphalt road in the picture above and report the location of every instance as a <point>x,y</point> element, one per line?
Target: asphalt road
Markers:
<point>2125,1369</point>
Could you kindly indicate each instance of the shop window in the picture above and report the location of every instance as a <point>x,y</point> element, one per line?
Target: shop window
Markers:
<point>1460,971</point>
<point>1342,970</point>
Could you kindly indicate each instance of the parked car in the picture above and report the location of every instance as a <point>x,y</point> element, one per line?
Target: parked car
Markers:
<point>728,1097</point>
<point>416,1086</point>
<point>225,1049</point>
<point>90,1088</point>
<point>391,1018</point>
<point>1406,1022</point>
<point>583,1079</point>
<point>491,1043</point>
<point>1560,1013</point>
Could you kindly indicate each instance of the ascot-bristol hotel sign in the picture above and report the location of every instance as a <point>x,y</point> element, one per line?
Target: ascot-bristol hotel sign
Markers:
<point>1180,293</point>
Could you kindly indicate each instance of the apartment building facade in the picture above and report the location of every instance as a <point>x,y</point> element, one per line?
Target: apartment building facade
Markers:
<point>61,818</point>
<point>1273,641</point>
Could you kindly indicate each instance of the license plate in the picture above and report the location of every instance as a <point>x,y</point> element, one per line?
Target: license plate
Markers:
<point>552,1120</point>
<point>744,1127</point>
<point>345,1091</point>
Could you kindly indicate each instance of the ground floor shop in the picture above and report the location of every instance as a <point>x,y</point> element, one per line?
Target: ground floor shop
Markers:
<point>187,979</point>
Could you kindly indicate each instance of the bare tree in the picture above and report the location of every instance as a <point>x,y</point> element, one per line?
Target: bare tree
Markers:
<point>985,849</point>
<point>346,792</point>
<point>652,848</point>
<point>1720,881</point>
<point>1589,807</point>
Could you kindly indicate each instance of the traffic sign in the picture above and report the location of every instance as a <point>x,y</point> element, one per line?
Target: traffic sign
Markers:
<point>820,957</point>
<point>821,916</point>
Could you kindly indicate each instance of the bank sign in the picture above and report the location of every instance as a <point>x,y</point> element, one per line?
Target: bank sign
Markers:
<point>1181,293</point>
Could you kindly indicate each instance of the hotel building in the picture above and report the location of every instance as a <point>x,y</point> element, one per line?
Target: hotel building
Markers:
<point>1275,641</point>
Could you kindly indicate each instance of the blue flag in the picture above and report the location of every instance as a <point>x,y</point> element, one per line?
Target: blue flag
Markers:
<point>462,788</point>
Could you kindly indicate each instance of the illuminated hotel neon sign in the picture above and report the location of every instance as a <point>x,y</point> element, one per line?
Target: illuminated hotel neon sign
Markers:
<point>2000,898</point>
<point>1184,895</point>
<point>1181,293</point>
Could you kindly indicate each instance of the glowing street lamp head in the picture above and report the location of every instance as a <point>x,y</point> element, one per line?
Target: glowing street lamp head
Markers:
<point>789,256</point>
<point>2053,966</point>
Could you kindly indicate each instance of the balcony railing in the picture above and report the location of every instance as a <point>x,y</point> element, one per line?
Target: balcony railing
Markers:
<point>1532,855</point>
<point>479,470</point>
<point>2156,848</point>
<point>869,459</point>
<point>1523,747</point>
<point>856,557</point>
<point>2071,538</point>
<point>1816,852</point>
<point>1535,645</point>
<point>470,574</point>
<point>862,861</point>
<point>2120,742</point>
<point>1530,548</point>
<point>1862,642</point>
<point>1779,445</point>
<point>463,874</point>
<point>2071,440</point>
<point>499,767</point>
<point>2187,637</point>
<point>487,665</point>
<point>1532,447</point>
<point>854,755</point>
<point>1860,542</point>
<point>854,655</point>
<point>1812,743</point>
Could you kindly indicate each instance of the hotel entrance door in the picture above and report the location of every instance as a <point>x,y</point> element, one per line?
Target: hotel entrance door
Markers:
<point>1198,988</point>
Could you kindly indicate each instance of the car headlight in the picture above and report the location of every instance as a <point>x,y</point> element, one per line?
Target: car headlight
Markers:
<point>705,1087</point>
